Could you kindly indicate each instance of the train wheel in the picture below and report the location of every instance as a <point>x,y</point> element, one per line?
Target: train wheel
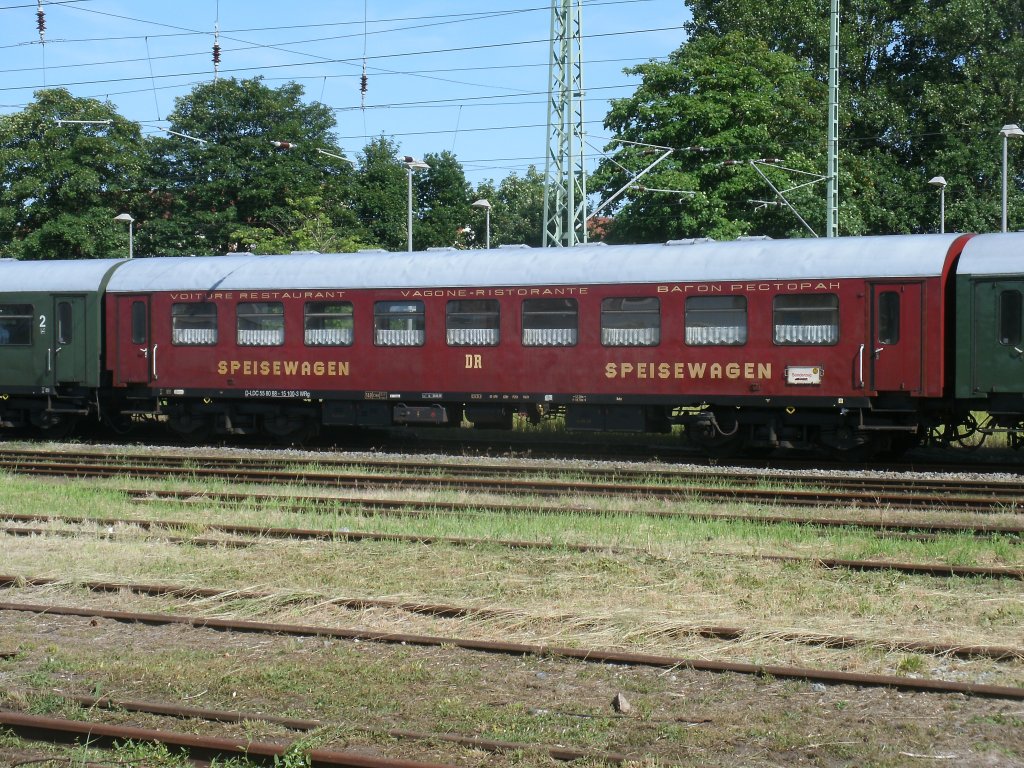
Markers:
<point>190,429</point>
<point>899,444</point>
<point>289,431</point>
<point>847,444</point>
<point>718,435</point>
<point>966,433</point>
<point>51,427</point>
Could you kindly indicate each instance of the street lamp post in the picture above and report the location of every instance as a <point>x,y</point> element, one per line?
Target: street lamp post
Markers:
<point>1007,131</point>
<point>131,235</point>
<point>486,205</point>
<point>940,182</point>
<point>412,164</point>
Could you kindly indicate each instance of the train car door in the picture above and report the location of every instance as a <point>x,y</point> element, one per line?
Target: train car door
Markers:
<point>68,352</point>
<point>997,361</point>
<point>134,349</point>
<point>895,348</point>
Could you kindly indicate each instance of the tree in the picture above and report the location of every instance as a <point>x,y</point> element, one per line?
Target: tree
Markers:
<point>442,209</point>
<point>924,89</point>
<point>210,197</point>
<point>380,196</point>
<point>716,101</point>
<point>61,184</point>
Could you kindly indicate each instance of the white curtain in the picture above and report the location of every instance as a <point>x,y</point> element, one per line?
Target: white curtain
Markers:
<point>630,337</point>
<point>402,338</point>
<point>716,334</point>
<point>479,337</point>
<point>807,334</point>
<point>194,336</point>
<point>549,337</point>
<point>271,337</point>
<point>329,337</point>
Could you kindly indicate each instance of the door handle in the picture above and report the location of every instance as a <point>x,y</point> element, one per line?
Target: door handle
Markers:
<point>877,352</point>
<point>144,351</point>
<point>155,377</point>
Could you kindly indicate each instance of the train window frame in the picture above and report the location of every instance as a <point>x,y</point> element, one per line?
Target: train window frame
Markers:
<point>1008,315</point>
<point>265,320</point>
<point>337,329</point>
<point>65,323</point>
<point>799,333</point>
<point>699,331</point>
<point>477,322</point>
<point>888,317</point>
<point>538,313</point>
<point>387,314</point>
<point>16,321</point>
<point>631,321</point>
<point>201,319</point>
<point>139,322</point>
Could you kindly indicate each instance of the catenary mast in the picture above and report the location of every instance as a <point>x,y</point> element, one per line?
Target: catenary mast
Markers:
<point>565,188</point>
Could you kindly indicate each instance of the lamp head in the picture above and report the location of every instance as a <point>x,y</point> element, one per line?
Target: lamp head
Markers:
<point>938,181</point>
<point>1011,130</point>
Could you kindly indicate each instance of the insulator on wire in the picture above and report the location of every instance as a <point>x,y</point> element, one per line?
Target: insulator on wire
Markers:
<point>41,21</point>
<point>362,84</point>
<point>216,53</point>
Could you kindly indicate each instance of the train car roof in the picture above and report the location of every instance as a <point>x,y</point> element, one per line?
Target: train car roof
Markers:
<point>56,276</point>
<point>807,259</point>
<point>993,254</point>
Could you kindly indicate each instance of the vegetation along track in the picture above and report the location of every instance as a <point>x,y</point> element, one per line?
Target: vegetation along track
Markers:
<point>591,655</point>
<point>821,490</point>
<point>716,632</point>
<point>915,568</point>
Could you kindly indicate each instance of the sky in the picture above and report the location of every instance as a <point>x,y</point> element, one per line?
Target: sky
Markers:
<point>467,77</point>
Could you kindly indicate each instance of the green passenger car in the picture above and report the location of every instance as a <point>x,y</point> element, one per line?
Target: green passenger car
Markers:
<point>51,341</point>
<point>990,325</point>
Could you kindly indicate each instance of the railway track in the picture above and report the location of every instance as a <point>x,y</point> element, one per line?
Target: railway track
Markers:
<point>715,632</point>
<point>198,748</point>
<point>591,655</point>
<point>847,490</point>
<point>939,570</point>
<point>305,503</point>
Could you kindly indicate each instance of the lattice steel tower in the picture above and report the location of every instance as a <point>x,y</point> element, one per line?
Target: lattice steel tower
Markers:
<point>565,187</point>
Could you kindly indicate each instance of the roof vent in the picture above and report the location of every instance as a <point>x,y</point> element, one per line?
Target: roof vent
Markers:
<point>443,248</point>
<point>754,237</point>
<point>691,241</point>
<point>507,246</point>
<point>372,250</point>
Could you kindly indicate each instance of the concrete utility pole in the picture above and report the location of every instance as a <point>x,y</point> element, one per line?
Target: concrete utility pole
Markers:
<point>565,187</point>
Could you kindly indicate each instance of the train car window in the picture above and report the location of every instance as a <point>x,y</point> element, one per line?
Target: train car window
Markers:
<point>16,324</point>
<point>194,324</point>
<point>1010,316</point>
<point>329,323</point>
<point>139,335</point>
<point>550,322</point>
<point>260,323</point>
<point>807,318</point>
<point>716,320</point>
<point>888,317</point>
<point>65,326</point>
<point>472,323</point>
<point>399,324</point>
<point>631,322</point>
